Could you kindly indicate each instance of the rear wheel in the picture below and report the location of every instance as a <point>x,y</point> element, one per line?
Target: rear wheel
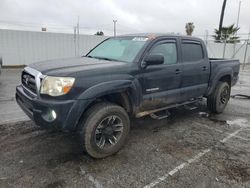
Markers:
<point>104,129</point>
<point>218,100</point>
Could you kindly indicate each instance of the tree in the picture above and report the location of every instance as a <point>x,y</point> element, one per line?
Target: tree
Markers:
<point>99,33</point>
<point>189,28</point>
<point>221,17</point>
<point>227,34</point>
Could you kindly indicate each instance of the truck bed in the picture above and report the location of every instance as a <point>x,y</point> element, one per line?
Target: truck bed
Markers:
<point>229,65</point>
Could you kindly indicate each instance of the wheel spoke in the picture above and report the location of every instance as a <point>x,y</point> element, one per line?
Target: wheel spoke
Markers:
<point>115,139</point>
<point>118,127</point>
<point>111,120</point>
<point>98,131</point>
<point>224,96</point>
<point>108,121</point>
<point>111,141</point>
<point>102,142</point>
<point>226,92</point>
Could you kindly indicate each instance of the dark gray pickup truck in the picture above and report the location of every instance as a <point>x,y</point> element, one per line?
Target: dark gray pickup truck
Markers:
<point>122,77</point>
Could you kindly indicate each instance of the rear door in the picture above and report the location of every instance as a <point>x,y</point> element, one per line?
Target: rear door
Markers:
<point>162,82</point>
<point>196,69</point>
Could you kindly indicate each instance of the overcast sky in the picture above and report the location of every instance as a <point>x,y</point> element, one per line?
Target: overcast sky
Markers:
<point>133,15</point>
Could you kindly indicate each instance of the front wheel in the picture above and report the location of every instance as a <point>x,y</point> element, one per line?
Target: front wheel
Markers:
<point>218,100</point>
<point>104,129</point>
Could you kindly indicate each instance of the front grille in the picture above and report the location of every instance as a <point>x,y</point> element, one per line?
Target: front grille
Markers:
<point>29,81</point>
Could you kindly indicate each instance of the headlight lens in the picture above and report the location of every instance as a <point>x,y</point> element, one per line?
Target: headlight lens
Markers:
<point>56,86</point>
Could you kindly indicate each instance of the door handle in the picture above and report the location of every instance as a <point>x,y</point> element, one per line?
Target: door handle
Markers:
<point>204,68</point>
<point>178,71</point>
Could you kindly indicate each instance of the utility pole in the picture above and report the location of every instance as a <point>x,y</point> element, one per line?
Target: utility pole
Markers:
<point>78,37</point>
<point>238,17</point>
<point>222,17</point>
<point>75,41</point>
<point>245,55</point>
<point>206,37</point>
<point>114,27</point>
<point>237,25</point>
<point>225,45</point>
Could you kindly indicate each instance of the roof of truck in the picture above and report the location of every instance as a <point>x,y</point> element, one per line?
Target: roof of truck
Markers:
<point>156,35</point>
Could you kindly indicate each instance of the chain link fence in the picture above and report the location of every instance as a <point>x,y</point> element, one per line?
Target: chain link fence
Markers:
<point>238,49</point>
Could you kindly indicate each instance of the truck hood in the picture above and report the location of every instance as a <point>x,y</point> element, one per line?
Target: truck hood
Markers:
<point>69,66</point>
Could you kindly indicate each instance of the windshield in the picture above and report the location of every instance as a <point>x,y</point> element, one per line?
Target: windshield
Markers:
<point>119,49</point>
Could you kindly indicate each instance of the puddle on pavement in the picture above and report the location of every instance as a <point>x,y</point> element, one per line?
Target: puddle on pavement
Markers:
<point>240,173</point>
<point>212,118</point>
<point>232,165</point>
<point>179,150</point>
<point>59,183</point>
<point>75,157</point>
<point>220,121</point>
<point>241,122</point>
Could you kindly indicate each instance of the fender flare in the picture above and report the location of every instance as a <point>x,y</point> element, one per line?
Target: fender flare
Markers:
<point>215,79</point>
<point>116,86</point>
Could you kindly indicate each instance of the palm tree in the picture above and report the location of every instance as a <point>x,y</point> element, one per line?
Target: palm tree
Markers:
<point>227,34</point>
<point>99,33</point>
<point>189,28</point>
<point>222,17</point>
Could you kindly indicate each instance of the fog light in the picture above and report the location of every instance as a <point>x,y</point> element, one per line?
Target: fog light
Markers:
<point>49,115</point>
<point>53,113</point>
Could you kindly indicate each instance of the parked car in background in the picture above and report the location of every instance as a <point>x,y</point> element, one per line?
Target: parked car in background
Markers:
<point>123,77</point>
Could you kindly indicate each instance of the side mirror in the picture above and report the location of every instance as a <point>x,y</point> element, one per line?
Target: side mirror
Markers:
<point>155,59</point>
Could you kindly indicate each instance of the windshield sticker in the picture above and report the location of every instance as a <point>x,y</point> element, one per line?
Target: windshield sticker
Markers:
<point>151,37</point>
<point>143,39</point>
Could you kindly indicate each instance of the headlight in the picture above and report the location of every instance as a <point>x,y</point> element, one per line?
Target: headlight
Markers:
<point>56,86</point>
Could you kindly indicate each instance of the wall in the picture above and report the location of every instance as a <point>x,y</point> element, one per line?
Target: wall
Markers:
<point>25,47</point>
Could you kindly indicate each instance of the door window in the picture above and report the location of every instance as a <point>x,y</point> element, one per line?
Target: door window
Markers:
<point>192,52</point>
<point>168,50</point>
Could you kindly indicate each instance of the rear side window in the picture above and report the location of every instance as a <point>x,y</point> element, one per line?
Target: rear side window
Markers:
<point>192,52</point>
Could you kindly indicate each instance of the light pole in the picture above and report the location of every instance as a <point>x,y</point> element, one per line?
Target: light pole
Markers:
<point>238,17</point>
<point>237,25</point>
<point>245,55</point>
<point>222,17</point>
<point>77,32</point>
<point>114,27</point>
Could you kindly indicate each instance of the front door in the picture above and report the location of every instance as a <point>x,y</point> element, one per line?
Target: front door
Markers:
<point>162,82</point>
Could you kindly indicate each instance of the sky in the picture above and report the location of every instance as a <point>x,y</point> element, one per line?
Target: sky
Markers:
<point>133,16</point>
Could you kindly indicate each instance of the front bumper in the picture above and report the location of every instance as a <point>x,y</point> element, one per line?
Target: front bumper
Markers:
<point>68,112</point>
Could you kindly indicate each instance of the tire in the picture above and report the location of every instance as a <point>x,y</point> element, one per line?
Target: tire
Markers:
<point>218,100</point>
<point>100,123</point>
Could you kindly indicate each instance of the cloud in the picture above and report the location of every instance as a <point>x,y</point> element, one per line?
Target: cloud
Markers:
<point>132,15</point>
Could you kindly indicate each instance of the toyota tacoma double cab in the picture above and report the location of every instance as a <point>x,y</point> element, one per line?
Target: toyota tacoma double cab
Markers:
<point>122,77</point>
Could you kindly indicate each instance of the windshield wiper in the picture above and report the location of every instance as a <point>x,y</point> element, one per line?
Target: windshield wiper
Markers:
<point>103,58</point>
<point>89,56</point>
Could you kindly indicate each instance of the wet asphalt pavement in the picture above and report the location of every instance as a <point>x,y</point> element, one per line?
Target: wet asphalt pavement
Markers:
<point>192,148</point>
<point>9,110</point>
